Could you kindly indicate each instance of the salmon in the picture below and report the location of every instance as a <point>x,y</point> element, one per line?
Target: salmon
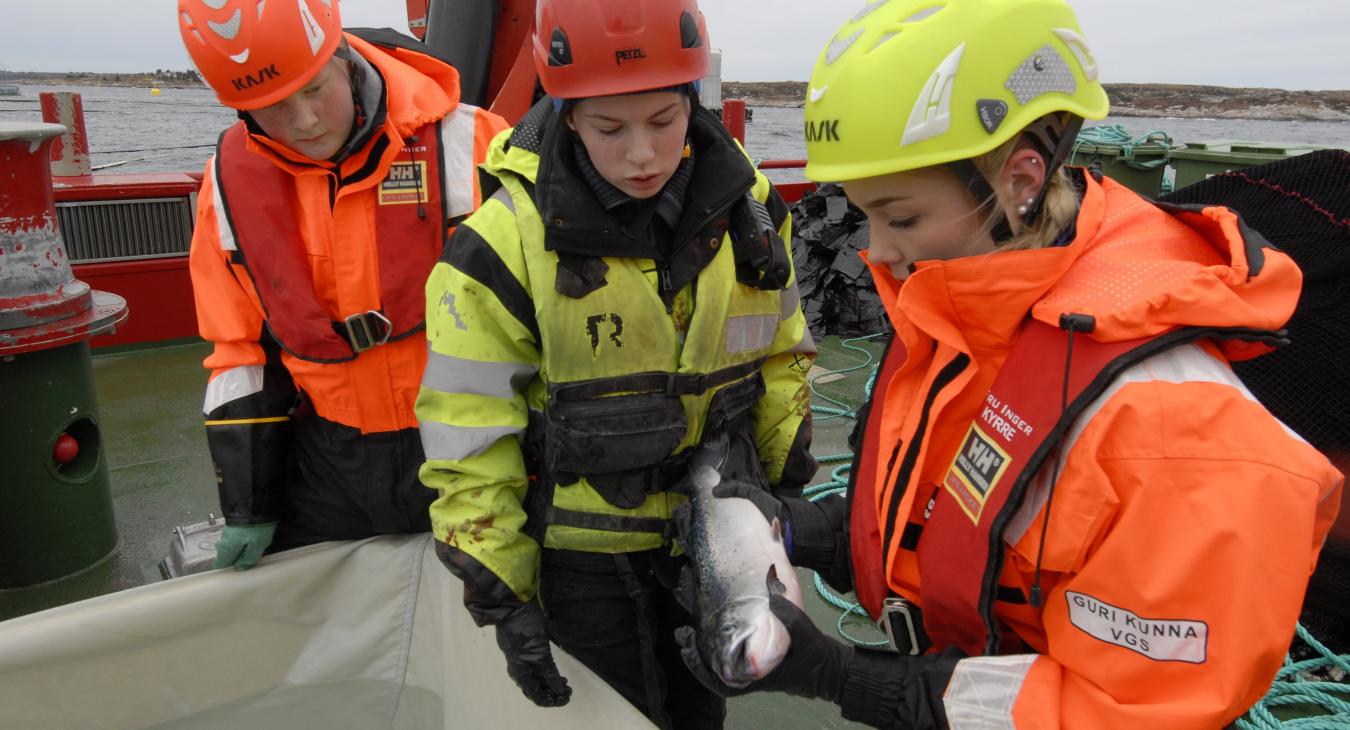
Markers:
<point>737,558</point>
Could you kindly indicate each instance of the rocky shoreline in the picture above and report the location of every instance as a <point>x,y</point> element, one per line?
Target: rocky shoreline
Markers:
<point>164,80</point>
<point>1135,100</point>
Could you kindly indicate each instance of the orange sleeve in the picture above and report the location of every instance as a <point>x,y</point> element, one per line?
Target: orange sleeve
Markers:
<point>1179,612</point>
<point>226,314</point>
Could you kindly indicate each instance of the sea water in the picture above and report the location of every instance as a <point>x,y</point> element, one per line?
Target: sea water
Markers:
<point>176,130</point>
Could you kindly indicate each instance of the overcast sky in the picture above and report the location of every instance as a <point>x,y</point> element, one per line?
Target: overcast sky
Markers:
<point>1292,44</point>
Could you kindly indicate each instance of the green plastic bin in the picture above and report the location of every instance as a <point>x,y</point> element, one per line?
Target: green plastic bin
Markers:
<point>1197,161</point>
<point>1138,167</point>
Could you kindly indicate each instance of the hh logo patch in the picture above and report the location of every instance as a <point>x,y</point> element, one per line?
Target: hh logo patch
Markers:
<point>406,183</point>
<point>975,472</point>
<point>1162,640</point>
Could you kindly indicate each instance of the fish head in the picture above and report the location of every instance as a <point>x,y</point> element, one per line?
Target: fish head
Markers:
<point>752,645</point>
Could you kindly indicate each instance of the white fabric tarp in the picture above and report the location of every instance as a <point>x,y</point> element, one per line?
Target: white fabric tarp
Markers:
<point>366,635</point>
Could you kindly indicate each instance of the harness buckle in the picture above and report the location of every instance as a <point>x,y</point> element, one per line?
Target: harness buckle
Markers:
<point>367,329</point>
<point>902,622</point>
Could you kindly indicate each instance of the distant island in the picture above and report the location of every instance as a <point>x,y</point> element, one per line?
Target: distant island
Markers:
<point>1135,100</point>
<point>163,78</point>
<point>1127,100</point>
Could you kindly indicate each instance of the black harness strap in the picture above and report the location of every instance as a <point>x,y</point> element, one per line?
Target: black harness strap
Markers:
<point>668,383</point>
<point>608,523</point>
<point>651,670</point>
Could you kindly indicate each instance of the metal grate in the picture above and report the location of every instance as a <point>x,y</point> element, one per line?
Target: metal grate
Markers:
<point>108,230</point>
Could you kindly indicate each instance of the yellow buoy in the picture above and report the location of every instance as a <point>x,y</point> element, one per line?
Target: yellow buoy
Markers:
<point>154,91</point>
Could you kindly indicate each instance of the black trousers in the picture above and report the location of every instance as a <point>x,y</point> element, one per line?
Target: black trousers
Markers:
<point>594,615</point>
<point>345,485</point>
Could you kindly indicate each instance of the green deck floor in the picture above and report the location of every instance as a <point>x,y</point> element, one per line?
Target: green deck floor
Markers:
<point>160,474</point>
<point>158,467</point>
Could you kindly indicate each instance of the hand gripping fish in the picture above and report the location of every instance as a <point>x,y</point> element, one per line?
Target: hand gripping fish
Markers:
<point>736,559</point>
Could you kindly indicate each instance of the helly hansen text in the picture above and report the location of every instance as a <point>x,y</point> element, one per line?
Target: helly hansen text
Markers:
<point>263,75</point>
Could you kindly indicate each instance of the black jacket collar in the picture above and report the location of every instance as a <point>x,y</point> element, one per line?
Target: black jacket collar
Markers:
<point>576,224</point>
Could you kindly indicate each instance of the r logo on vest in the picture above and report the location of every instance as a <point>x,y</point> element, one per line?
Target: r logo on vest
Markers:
<point>593,329</point>
<point>975,472</point>
<point>406,183</point>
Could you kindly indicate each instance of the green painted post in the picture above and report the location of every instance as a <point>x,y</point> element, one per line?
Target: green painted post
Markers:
<point>55,519</point>
<point>56,516</point>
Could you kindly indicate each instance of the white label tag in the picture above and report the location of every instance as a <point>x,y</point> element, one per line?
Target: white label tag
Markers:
<point>1162,640</point>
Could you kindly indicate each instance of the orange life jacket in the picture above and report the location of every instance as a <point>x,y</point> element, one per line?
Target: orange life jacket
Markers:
<point>410,223</point>
<point>1185,519</point>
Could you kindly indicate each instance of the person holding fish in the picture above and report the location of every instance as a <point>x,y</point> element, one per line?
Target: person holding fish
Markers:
<point>625,293</point>
<point>1066,508</point>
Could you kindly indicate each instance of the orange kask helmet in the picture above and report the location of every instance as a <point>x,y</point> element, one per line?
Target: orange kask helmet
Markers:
<point>608,47</point>
<point>254,53</point>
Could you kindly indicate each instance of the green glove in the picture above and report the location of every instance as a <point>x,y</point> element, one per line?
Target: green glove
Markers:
<point>241,545</point>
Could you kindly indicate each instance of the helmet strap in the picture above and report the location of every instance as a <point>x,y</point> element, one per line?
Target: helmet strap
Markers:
<point>368,100</point>
<point>1054,135</point>
<point>978,186</point>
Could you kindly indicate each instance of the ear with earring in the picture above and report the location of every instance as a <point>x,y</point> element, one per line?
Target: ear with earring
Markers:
<point>1023,209</point>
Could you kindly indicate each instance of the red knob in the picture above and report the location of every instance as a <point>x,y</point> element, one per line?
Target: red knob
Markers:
<point>66,449</point>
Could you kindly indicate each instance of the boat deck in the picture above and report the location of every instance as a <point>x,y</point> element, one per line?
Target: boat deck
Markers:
<point>160,473</point>
<point>149,403</point>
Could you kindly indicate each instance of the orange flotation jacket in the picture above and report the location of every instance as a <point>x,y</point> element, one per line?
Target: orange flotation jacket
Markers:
<point>1184,519</point>
<point>259,201</point>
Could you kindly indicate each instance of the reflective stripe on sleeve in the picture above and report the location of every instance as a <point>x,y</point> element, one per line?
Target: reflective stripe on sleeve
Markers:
<point>504,197</point>
<point>223,230</point>
<point>449,374</point>
<point>443,442</point>
<point>249,421</point>
<point>457,140</point>
<point>983,690</point>
<point>788,299</point>
<point>750,332</point>
<point>232,385</point>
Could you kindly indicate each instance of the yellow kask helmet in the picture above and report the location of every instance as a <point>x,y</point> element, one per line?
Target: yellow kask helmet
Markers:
<point>907,84</point>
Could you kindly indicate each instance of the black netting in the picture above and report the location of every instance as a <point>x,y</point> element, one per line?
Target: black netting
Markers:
<point>838,297</point>
<point>1302,206</point>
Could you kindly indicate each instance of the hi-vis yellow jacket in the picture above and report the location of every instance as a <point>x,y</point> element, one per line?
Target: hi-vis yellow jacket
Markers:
<point>517,370</point>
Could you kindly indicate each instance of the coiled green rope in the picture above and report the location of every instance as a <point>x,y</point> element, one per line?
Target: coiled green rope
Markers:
<point>838,484</point>
<point>1115,135</point>
<point>1299,693</point>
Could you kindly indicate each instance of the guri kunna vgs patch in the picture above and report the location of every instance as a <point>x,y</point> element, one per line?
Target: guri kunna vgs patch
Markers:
<point>406,183</point>
<point>975,472</point>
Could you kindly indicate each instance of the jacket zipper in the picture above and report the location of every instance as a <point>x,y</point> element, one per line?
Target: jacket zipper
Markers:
<point>663,272</point>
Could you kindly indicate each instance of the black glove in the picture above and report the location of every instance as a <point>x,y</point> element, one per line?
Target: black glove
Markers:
<point>523,638</point>
<point>814,666</point>
<point>878,688</point>
<point>768,504</point>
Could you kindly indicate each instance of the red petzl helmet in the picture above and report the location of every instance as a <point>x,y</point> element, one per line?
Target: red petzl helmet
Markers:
<point>585,48</point>
<point>254,53</point>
